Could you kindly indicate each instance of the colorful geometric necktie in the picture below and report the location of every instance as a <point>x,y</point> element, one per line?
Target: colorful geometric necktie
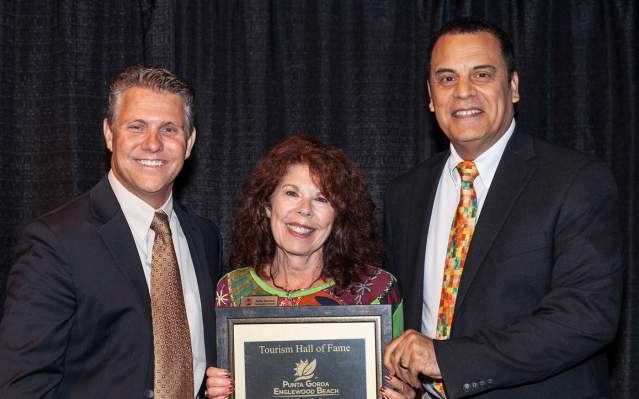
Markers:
<point>461,234</point>
<point>171,338</point>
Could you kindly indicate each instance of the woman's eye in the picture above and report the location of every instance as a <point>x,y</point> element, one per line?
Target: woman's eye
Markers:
<point>290,193</point>
<point>322,200</point>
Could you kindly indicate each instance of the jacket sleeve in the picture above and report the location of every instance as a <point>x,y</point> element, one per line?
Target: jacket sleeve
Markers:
<point>38,315</point>
<point>577,316</point>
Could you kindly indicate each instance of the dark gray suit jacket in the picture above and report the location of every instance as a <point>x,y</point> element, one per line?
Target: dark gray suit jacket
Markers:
<point>77,319</point>
<point>541,289</point>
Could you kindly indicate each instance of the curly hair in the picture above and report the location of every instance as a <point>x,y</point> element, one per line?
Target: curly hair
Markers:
<point>353,242</point>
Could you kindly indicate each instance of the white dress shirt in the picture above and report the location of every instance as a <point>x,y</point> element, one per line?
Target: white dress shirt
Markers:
<point>139,216</point>
<point>441,219</point>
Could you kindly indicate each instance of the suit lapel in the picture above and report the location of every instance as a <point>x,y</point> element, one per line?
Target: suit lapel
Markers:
<point>117,237</point>
<point>513,174</point>
<point>195,240</point>
<point>422,200</point>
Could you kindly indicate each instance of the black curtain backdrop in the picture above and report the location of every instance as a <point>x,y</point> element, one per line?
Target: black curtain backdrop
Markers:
<point>348,72</point>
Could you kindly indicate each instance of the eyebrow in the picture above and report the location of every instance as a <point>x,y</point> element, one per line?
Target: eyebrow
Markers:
<point>171,123</point>
<point>475,68</point>
<point>296,187</point>
<point>289,185</point>
<point>162,123</point>
<point>444,70</point>
<point>486,66</point>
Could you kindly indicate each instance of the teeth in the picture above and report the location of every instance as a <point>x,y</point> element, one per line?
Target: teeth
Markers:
<point>151,162</point>
<point>467,112</point>
<point>299,229</point>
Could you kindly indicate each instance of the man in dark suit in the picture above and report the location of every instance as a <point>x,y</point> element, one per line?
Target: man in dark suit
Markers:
<point>507,247</point>
<point>86,309</point>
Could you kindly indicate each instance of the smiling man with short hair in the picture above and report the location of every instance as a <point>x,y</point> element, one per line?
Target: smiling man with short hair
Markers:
<point>112,293</point>
<point>507,247</point>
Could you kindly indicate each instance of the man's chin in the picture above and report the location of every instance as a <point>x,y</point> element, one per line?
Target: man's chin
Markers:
<point>155,196</point>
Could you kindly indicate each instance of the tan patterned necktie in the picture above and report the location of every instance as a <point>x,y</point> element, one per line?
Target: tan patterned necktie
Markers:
<point>171,338</point>
<point>461,233</point>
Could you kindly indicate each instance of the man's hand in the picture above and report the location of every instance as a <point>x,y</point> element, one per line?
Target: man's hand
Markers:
<point>409,355</point>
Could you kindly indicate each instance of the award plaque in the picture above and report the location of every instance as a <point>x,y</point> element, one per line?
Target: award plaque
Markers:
<point>311,352</point>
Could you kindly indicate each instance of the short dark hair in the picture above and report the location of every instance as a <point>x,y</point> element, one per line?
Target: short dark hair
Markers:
<point>155,78</point>
<point>476,25</point>
<point>354,240</point>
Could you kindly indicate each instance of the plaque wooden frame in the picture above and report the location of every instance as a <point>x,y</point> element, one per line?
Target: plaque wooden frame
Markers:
<point>238,325</point>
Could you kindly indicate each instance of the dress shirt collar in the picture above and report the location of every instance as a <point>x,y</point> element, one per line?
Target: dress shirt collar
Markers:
<point>138,213</point>
<point>486,163</point>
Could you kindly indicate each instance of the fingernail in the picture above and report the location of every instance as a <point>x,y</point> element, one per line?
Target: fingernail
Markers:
<point>382,389</point>
<point>387,378</point>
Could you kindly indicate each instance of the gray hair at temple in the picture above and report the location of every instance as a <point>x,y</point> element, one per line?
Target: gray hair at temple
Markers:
<point>154,78</point>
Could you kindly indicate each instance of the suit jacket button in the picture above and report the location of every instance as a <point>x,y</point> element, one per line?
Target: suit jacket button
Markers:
<point>148,393</point>
<point>482,383</point>
<point>489,381</point>
<point>474,385</point>
<point>466,387</point>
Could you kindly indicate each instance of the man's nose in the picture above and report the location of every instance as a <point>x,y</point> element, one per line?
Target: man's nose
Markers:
<point>465,88</point>
<point>152,141</point>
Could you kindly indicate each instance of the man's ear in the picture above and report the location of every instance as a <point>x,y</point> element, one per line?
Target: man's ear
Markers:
<point>431,107</point>
<point>514,87</point>
<point>189,143</point>
<point>108,134</point>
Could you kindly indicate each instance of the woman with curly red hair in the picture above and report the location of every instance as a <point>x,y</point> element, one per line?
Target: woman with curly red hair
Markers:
<point>305,235</point>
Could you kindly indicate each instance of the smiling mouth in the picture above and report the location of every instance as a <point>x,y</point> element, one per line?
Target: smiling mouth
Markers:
<point>467,113</point>
<point>296,228</point>
<point>153,163</point>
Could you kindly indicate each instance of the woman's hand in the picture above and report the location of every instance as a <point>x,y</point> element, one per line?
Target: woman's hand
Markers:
<point>399,390</point>
<point>219,384</point>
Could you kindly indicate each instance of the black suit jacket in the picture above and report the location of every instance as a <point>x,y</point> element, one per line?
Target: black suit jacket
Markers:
<point>540,294</point>
<point>77,319</point>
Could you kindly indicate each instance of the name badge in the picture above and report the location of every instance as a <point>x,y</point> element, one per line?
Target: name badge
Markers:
<point>263,300</point>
